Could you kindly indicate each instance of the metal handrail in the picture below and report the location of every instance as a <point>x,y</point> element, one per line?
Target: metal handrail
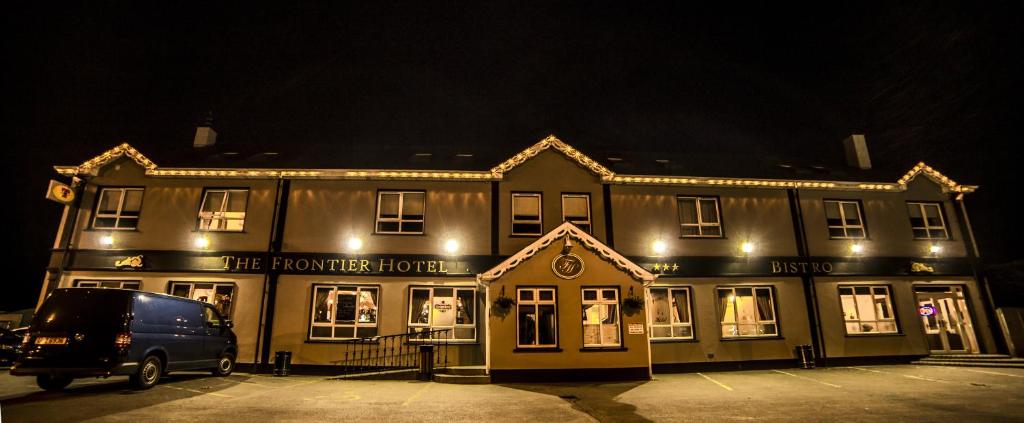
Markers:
<point>393,352</point>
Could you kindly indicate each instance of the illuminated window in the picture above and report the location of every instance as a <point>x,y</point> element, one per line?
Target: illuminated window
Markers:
<point>118,208</point>
<point>452,308</point>
<point>670,310</point>
<point>927,221</point>
<point>844,220</point>
<point>576,209</point>
<point>220,295</point>
<point>747,312</point>
<point>343,312</point>
<point>108,284</point>
<point>400,212</point>
<point>223,210</point>
<point>867,309</point>
<point>699,217</point>
<point>601,317</point>
<point>526,214</point>
<point>537,320</point>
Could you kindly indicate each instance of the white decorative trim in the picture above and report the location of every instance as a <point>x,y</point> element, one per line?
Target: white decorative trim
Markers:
<point>566,149</point>
<point>944,181</point>
<point>568,229</point>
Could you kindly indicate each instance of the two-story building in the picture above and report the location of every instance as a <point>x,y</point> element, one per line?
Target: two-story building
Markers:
<point>548,264</point>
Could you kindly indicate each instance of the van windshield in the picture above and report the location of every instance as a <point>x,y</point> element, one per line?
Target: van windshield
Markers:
<point>82,309</point>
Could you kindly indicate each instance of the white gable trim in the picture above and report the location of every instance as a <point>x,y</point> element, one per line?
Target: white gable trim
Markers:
<point>568,229</point>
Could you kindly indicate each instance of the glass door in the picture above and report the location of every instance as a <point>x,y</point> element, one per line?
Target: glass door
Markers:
<point>946,320</point>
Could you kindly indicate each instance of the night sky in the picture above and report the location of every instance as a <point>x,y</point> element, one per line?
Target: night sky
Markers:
<point>940,84</point>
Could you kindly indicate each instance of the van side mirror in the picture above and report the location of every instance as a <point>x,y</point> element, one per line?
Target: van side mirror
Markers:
<point>227,323</point>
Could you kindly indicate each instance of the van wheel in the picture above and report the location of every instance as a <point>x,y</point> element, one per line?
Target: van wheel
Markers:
<point>225,365</point>
<point>148,374</point>
<point>53,383</point>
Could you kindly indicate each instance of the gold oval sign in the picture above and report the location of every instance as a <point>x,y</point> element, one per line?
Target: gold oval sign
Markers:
<point>567,266</point>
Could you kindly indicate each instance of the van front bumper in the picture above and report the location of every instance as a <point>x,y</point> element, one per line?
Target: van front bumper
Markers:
<point>22,368</point>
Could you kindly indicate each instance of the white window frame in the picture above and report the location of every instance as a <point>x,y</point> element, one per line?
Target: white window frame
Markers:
<point>535,303</point>
<point>98,283</point>
<point>856,309</point>
<point>401,208</point>
<point>700,224</point>
<point>672,325</point>
<point>842,217</point>
<point>430,321</point>
<point>192,289</point>
<point>218,216</point>
<point>120,208</point>
<point>355,325</point>
<point>601,326</point>
<point>757,321</point>
<point>588,221</point>
<point>924,217</point>
<point>540,214</point>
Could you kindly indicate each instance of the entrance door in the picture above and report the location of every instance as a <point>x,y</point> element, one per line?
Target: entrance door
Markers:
<point>947,322</point>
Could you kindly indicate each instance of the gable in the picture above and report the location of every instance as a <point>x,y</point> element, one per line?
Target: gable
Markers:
<point>555,144</point>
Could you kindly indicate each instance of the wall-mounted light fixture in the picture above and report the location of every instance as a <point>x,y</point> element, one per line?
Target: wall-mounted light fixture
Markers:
<point>747,247</point>
<point>354,244</point>
<point>451,246</point>
<point>659,247</point>
<point>202,242</point>
<point>856,248</point>
<point>107,240</point>
<point>935,249</point>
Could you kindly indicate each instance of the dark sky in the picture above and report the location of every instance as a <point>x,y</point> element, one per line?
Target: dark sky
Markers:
<point>939,83</point>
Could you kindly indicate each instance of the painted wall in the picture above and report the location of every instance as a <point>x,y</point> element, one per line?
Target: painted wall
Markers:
<point>536,272</point>
<point>246,304</point>
<point>709,346</point>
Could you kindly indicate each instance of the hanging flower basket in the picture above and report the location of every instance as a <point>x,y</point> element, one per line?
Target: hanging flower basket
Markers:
<point>502,304</point>
<point>632,304</point>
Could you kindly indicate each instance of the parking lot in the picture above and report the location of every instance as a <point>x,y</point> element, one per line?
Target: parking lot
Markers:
<point>864,393</point>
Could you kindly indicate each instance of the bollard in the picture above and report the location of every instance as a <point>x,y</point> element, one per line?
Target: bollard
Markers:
<point>282,363</point>
<point>805,356</point>
<point>426,362</point>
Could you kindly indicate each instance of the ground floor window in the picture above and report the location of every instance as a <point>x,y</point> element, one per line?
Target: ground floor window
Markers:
<point>343,312</point>
<point>107,284</point>
<point>220,295</point>
<point>867,309</point>
<point>601,317</point>
<point>537,320</point>
<point>747,312</point>
<point>670,310</point>
<point>436,308</point>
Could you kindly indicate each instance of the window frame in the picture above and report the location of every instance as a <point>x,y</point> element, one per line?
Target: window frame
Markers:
<point>940,206</point>
<point>891,304</point>
<point>700,225</point>
<point>536,303</point>
<point>224,202</point>
<point>601,301</point>
<point>192,288</point>
<point>355,326</point>
<point>120,208</point>
<point>842,216</point>
<point>540,214</point>
<point>77,283</point>
<point>671,325</point>
<point>401,206</point>
<point>736,320</point>
<point>430,324</point>
<point>590,215</point>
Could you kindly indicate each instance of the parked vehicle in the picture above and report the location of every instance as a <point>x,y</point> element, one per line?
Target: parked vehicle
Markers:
<point>10,344</point>
<point>104,332</point>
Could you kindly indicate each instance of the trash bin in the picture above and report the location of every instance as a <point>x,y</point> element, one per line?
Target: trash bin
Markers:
<point>805,356</point>
<point>282,363</point>
<point>426,362</point>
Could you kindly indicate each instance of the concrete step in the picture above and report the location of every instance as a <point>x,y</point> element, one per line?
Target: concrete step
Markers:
<point>400,374</point>
<point>976,360</point>
<point>1002,365</point>
<point>462,379</point>
<point>944,356</point>
<point>464,370</point>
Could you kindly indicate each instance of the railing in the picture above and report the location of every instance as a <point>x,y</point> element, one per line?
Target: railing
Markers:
<point>395,352</point>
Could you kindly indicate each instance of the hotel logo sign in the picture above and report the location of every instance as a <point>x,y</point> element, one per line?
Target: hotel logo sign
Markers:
<point>567,266</point>
<point>133,262</point>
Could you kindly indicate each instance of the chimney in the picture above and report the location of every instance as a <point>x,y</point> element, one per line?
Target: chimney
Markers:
<point>205,135</point>
<point>857,152</point>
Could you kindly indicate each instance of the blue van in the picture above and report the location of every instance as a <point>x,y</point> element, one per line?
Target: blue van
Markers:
<point>100,332</point>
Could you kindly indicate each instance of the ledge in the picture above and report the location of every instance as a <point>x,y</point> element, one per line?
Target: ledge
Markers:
<point>538,350</point>
<point>604,349</point>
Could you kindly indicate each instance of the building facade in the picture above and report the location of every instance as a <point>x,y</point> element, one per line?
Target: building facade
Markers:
<point>548,263</point>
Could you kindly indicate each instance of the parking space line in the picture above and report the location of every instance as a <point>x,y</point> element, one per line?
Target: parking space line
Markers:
<point>724,386</point>
<point>217,394</point>
<point>807,378</point>
<point>901,374</point>
<point>993,373</point>
<point>415,395</point>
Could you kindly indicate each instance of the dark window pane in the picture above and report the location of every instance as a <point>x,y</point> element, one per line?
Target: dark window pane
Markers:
<point>464,307</point>
<point>387,227</point>
<point>852,214</point>
<point>365,332</point>
<point>526,228</point>
<point>132,201</point>
<point>547,295</point>
<point>213,202</point>
<point>855,233</point>
<point>681,303</point>
<point>937,233</point>
<point>708,211</point>
<point>412,205</point>
<point>547,325</point>
<point>322,332</point>
<point>589,295</point>
<point>412,226</point>
<point>690,230</point>
<point>236,202</point>
<point>921,233</point>
<point>688,210</point>
<point>322,305</point>
<point>180,290</point>
<point>389,205</point>
<point>832,212</point>
<point>712,230</point>
<point>835,221</point>
<point>127,222</point>
<point>526,295</point>
<point>109,200</point>
<point>917,222</point>
<point>836,232</point>
<point>527,325</point>
<point>419,307</point>
<point>765,309</point>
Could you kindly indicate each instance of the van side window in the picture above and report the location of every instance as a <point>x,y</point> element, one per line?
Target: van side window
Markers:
<point>212,318</point>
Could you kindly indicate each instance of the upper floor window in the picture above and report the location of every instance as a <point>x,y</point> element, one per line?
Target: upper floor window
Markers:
<point>526,214</point>
<point>223,210</point>
<point>220,295</point>
<point>576,209</point>
<point>699,217</point>
<point>927,221</point>
<point>400,212</point>
<point>844,219</point>
<point>536,318</point>
<point>107,284</point>
<point>867,309</point>
<point>670,313</point>
<point>343,312</point>
<point>601,317</point>
<point>118,208</point>
<point>747,312</point>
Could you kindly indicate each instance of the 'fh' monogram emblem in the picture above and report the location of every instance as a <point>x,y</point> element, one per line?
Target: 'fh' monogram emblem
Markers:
<point>567,266</point>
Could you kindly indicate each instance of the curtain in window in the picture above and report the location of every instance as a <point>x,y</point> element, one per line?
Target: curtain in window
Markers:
<point>764,305</point>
